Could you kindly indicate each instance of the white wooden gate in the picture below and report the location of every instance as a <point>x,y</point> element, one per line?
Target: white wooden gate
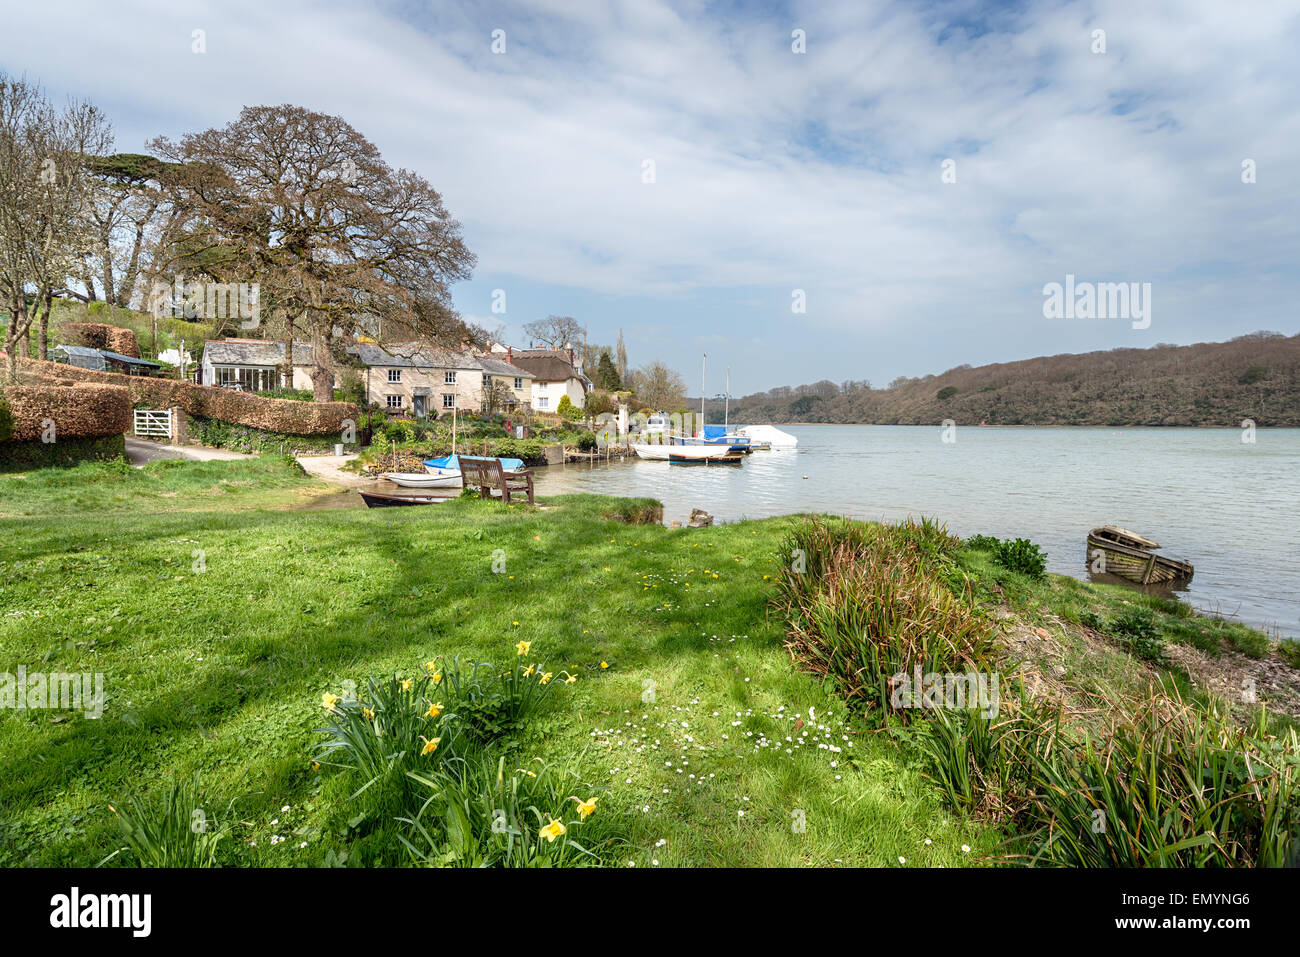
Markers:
<point>153,422</point>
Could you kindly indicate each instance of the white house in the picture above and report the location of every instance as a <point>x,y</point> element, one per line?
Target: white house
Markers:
<point>555,375</point>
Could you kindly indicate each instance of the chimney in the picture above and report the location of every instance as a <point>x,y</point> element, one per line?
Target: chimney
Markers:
<point>510,353</point>
<point>570,351</point>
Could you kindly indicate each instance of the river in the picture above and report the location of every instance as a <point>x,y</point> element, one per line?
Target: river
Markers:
<point>1226,505</point>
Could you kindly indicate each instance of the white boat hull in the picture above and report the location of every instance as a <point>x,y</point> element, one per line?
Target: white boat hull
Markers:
<point>766,433</point>
<point>445,478</point>
<point>662,453</point>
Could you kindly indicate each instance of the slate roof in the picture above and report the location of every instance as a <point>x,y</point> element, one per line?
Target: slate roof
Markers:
<point>497,366</point>
<point>253,352</point>
<point>414,356</point>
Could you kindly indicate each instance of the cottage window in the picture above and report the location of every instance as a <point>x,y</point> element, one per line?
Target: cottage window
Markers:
<point>448,400</point>
<point>449,378</point>
<point>542,402</point>
<point>394,375</point>
<point>519,382</point>
<point>394,401</point>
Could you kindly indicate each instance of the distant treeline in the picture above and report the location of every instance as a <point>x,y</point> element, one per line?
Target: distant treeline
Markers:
<point>1256,376</point>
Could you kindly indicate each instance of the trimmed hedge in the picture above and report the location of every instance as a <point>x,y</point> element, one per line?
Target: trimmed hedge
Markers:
<point>241,438</point>
<point>280,416</point>
<point>97,335</point>
<point>79,411</point>
<point>65,453</point>
<point>6,420</point>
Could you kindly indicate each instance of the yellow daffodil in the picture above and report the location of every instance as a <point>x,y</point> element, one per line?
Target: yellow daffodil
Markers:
<point>434,710</point>
<point>430,745</point>
<point>406,684</point>
<point>329,701</point>
<point>585,808</point>
<point>529,672</point>
<point>531,774</point>
<point>431,667</point>
<point>370,715</point>
<point>552,830</point>
<point>545,678</point>
<point>571,679</point>
<point>315,765</point>
<point>521,649</point>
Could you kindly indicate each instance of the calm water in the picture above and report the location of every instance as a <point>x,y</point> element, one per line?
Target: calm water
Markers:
<point>1227,506</point>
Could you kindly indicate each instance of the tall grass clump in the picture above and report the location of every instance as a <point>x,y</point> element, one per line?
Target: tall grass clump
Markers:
<point>1165,784</point>
<point>866,603</point>
<point>178,829</point>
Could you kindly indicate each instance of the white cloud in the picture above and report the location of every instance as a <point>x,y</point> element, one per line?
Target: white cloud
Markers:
<point>774,170</point>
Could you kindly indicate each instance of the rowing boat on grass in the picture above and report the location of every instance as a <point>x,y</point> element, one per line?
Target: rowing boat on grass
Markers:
<point>442,478</point>
<point>383,500</point>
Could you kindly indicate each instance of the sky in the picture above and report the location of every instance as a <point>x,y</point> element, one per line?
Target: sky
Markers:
<point>912,174</point>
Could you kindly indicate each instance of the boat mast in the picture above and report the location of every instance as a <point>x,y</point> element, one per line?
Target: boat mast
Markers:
<point>726,409</point>
<point>703,369</point>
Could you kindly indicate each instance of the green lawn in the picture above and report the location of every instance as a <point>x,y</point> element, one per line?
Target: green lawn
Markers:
<point>219,624</point>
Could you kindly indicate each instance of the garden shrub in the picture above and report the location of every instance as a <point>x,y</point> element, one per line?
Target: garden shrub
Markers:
<point>982,543</point>
<point>1021,555</point>
<point>1139,627</point>
<point>241,438</point>
<point>66,453</point>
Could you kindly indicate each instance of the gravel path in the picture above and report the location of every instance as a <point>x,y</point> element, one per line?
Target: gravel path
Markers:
<point>140,451</point>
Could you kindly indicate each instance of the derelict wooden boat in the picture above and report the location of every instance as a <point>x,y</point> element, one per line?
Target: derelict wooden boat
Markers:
<point>1131,556</point>
<point>384,500</point>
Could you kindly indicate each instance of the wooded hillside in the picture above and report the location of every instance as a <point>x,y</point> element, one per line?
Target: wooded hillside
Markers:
<point>1256,376</point>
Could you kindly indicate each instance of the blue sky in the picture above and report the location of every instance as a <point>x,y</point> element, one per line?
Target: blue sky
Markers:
<point>775,170</point>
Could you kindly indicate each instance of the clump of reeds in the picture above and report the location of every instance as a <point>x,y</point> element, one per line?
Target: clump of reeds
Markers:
<point>865,603</point>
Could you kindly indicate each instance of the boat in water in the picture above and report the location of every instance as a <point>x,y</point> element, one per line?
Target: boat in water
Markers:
<point>773,437</point>
<point>1129,555</point>
<point>689,453</point>
<point>718,435</point>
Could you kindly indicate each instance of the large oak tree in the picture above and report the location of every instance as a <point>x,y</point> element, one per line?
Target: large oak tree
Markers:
<point>339,242</point>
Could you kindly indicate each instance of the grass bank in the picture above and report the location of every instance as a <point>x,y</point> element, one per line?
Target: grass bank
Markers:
<point>706,746</point>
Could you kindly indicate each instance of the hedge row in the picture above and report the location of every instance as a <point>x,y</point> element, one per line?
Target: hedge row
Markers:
<point>281,416</point>
<point>241,438</point>
<point>22,456</point>
<point>97,335</point>
<point>78,410</point>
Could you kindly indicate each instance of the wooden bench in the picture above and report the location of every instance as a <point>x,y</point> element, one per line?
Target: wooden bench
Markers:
<point>488,474</point>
